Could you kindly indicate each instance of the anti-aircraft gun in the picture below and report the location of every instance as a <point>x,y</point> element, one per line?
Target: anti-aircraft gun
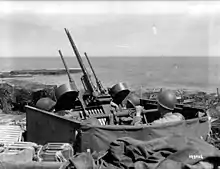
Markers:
<point>96,95</point>
<point>68,98</point>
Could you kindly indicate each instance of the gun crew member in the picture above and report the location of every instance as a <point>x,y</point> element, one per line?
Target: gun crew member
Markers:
<point>133,104</point>
<point>166,101</point>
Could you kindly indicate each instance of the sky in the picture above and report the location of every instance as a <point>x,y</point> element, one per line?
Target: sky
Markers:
<point>110,28</point>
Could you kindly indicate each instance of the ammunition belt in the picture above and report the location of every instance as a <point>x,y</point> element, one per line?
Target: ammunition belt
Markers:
<point>97,112</point>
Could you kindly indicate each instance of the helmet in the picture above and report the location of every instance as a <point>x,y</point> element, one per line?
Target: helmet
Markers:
<point>119,92</point>
<point>45,103</point>
<point>167,99</point>
<point>132,101</point>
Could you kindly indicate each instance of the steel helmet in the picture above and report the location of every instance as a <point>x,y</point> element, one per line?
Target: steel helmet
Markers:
<point>45,103</point>
<point>132,101</point>
<point>167,99</point>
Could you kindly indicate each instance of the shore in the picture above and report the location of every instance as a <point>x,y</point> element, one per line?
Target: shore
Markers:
<point>26,73</point>
<point>15,93</point>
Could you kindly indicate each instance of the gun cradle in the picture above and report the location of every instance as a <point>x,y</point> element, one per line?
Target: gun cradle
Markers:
<point>91,100</point>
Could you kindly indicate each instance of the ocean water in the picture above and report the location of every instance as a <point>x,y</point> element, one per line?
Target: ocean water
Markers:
<point>202,73</point>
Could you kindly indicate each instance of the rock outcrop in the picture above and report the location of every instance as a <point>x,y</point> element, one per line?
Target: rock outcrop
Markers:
<point>15,94</point>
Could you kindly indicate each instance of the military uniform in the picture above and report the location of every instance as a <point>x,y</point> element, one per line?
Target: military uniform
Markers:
<point>166,100</point>
<point>169,117</point>
<point>137,120</point>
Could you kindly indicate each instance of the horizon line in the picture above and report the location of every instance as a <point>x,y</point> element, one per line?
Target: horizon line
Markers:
<point>95,56</point>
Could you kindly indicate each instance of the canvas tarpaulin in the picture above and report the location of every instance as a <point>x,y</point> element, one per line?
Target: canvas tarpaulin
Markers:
<point>98,138</point>
<point>54,128</point>
<point>171,152</point>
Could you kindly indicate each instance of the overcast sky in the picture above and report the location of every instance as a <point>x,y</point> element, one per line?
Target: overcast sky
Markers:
<point>117,28</point>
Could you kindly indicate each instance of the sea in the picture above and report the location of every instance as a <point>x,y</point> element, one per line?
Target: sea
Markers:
<point>192,73</point>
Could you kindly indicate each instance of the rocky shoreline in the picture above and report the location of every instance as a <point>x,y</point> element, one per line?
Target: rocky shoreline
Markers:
<point>15,94</point>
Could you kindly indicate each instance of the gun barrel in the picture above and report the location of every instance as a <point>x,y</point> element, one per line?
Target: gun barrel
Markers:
<point>65,65</point>
<point>91,66</point>
<point>86,78</point>
<point>76,52</point>
<point>98,82</point>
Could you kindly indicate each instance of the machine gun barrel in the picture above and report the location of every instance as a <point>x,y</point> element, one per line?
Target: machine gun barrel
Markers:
<point>98,82</point>
<point>72,82</point>
<point>86,79</point>
<point>66,68</point>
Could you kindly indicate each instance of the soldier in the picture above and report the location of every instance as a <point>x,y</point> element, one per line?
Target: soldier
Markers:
<point>166,100</point>
<point>46,104</point>
<point>133,103</point>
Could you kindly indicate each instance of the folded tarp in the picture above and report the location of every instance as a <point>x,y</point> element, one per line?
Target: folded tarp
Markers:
<point>172,152</point>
